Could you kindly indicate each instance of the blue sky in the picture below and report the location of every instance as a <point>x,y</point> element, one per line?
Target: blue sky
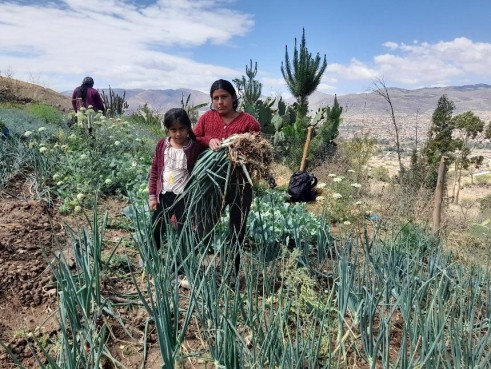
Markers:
<point>190,43</point>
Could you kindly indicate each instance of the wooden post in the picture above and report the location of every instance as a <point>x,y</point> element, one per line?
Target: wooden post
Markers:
<point>306,149</point>
<point>440,185</point>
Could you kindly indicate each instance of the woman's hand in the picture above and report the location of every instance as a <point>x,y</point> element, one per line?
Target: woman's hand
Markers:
<point>215,144</point>
<point>152,205</point>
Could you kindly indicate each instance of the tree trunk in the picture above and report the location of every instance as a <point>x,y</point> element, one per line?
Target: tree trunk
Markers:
<point>454,182</point>
<point>440,185</point>
<point>459,182</point>
<point>306,149</point>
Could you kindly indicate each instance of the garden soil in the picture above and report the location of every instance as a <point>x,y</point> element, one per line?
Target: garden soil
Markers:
<point>31,233</point>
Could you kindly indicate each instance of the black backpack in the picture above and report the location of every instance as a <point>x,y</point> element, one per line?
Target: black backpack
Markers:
<point>301,185</point>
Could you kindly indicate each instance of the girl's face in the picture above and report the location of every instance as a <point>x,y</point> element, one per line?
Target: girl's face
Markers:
<point>222,102</point>
<point>178,133</point>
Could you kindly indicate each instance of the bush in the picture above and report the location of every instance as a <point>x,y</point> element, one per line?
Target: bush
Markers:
<point>484,179</point>
<point>381,173</point>
<point>485,203</point>
<point>47,113</point>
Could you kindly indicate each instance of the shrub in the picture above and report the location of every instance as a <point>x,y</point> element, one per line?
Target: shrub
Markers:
<point>47,113</point>
<point>485,203</point>
<point>484,179</point>
<point>381,173</point>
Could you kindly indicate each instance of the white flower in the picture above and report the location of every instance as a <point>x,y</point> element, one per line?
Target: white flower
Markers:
<point>117,143</point>
<point>77,209</point>
<point>56,176</point>
<point>359,203</point>
<point>134,164</point>
<point>43,149</point>
<point>108,181</point>
<point>80,196</point>
<point>331,175</point>
<point>59,183</point>
<point>40,129</point>
<point>350,171</point>
<point>321,185</point>
<point>338,179</point>
<point>356,185</point>
<point>72,136</point>
<point>337,195</point>
<point>347,223</point>
<point>83,156</point>
<point>27,133</point>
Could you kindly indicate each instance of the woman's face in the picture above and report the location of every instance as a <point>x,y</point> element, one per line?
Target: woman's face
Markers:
<point>222,102</point>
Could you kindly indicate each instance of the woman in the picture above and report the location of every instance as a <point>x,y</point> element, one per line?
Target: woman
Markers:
<point>222,121</point>
<point>86,95</point>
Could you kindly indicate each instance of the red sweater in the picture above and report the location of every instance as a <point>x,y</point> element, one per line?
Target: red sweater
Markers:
<point>211,125</point>
<point>93,98</point>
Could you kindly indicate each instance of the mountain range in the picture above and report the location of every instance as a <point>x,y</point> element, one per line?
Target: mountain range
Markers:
<point>363,113</point>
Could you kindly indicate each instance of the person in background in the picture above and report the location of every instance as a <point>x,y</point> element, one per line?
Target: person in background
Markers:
<point>222,121</point>
<point>172,164</point>
<point>86,95</point>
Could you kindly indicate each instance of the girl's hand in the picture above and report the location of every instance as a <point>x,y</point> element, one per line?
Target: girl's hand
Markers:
<point>152,205</point>
<point>215,144</point>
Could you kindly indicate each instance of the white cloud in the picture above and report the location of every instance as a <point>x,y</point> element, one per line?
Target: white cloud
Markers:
<point>129,45</point>
<point>422,64</point>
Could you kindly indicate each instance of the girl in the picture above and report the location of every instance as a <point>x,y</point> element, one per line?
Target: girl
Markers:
<point>172,163</point>
<point>221,122</point>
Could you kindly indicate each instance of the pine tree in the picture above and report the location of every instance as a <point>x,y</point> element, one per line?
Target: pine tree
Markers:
<point>440,142</point>
<point>302,74</point>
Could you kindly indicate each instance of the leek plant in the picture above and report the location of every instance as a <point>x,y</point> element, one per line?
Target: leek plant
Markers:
<point>163,300</point>
<point>82,307</point>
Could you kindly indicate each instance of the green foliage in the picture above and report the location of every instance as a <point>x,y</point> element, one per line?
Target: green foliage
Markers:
<point>358,151</point>
<point>440,141</point>
<point>115,104</point>
<point>71,163</point>
<point>485,203</point>
<point>302,74</point>
<point>487,131</point>
<point>249,88</point>
<point>147,117</point>
<point>273,221</point>
<point>192,110</point>
<point>467,127</point>
<point>483,179</point>
<point>323,146</point>
<point>343,197</point>
<point>46,113</point>
<point>380,173</point>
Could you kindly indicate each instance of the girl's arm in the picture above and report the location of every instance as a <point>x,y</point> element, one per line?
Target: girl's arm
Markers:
<point>153,176</point>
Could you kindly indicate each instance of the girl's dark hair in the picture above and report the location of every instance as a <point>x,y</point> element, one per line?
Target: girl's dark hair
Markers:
<point>227,86</point>
<point>86,83</point>
<point>179,115</point>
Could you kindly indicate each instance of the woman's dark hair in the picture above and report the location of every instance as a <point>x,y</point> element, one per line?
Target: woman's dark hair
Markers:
<point>227,86</point>
<point>179,115</point>
<point>86,83</point>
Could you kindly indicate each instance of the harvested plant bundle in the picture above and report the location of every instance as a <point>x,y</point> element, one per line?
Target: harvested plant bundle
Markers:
<point>216,171</point>
<point>252,151</point>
